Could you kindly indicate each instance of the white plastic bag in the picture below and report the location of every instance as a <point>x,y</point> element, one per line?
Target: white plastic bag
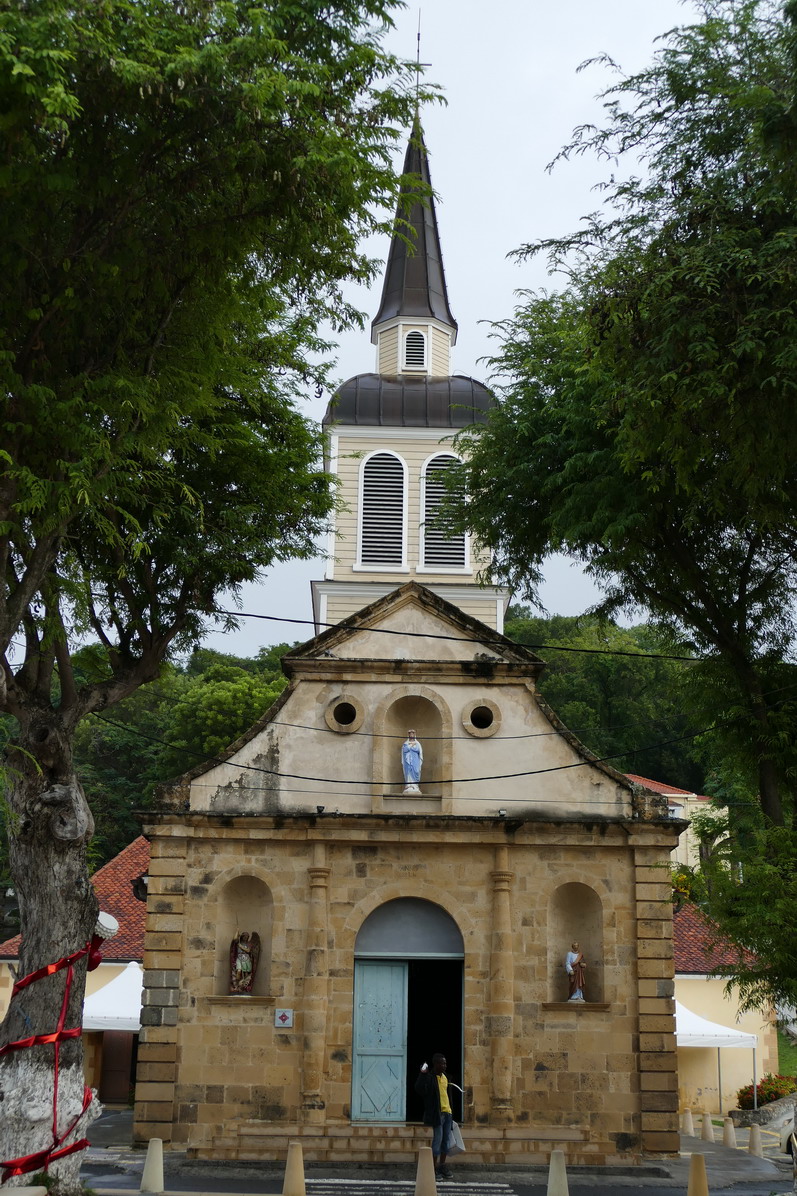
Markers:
<point>455,1143</point>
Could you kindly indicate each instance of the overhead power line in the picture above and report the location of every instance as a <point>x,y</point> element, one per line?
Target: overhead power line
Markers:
<point>507,776</point>
<point>461,639</point>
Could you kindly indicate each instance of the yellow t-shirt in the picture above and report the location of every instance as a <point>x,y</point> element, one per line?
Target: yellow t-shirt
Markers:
<point>442,1084</point>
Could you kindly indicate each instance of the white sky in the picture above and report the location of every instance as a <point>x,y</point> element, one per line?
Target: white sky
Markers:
<point>509,70</point>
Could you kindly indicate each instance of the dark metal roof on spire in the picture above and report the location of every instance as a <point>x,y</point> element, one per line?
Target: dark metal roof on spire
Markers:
<point>415,283</point>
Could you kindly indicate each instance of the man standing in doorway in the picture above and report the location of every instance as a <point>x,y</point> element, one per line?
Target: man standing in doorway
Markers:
<point>433,1087</point>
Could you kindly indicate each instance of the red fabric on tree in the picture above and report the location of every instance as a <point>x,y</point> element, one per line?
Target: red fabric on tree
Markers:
<point>42,1158</point>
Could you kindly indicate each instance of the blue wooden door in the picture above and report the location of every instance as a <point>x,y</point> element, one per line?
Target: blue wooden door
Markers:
<point>380,1041</point>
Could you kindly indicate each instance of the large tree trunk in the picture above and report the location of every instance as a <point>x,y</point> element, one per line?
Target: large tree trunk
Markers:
<point>49,827</point>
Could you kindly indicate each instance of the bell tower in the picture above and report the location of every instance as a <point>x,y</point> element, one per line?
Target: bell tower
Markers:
<point>390,435</point>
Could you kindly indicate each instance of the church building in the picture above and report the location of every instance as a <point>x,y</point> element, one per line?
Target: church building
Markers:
<point>331,904</point>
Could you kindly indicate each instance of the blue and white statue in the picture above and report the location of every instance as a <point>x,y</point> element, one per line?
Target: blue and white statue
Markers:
<point>411,762</point>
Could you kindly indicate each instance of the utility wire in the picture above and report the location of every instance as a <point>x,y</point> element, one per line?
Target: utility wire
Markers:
<point>469,738</point>
<point>507,776</point>
<point>461,639</point>
<point>494,798</point>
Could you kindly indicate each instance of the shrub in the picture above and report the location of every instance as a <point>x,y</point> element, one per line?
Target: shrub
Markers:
<point>769,1088</point>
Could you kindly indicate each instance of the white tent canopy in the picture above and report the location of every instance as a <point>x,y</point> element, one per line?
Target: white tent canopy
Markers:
<point>691,1030</point>
<point>694,1031</point>
<point>116,1006</point>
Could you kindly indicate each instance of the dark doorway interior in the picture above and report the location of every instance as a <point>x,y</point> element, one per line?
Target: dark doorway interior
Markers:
<point>119,1052</point>
<point>434,1023</point>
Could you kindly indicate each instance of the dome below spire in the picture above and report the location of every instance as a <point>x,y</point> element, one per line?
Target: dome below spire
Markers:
<point>377,400</point>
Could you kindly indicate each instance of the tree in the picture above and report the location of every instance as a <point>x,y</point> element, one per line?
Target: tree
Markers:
<point>213,712</point>
<point>184,189</point>
<point>748,881</point>
<point>194,709</point>
<point>617,691</point>
<point>647,426</point>
<point>119,758</point>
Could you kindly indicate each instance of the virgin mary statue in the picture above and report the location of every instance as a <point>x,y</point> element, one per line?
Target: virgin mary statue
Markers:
<point>411,762</point>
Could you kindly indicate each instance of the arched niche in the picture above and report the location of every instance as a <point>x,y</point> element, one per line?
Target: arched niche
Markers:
<point>575,914</point>
<point>420,713</point>
<point>245,903</point>
<point>409,928</point>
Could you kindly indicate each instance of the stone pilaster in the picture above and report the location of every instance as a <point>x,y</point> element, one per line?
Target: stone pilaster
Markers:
<point>156,1069</point>
<point>502,996</point>
<point>658,1069</point>
<point>316,985</point>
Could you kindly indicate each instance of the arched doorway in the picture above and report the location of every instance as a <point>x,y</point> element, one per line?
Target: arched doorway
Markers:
<point>407,1005</point>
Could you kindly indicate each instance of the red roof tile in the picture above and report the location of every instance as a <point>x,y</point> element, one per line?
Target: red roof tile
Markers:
<point>697,946</point>
<point>659,787</point>
<point>112,884</point>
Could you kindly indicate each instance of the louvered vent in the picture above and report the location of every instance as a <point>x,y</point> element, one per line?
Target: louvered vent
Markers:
<point>441,547</point>
<point>383,511</point>
<point>415,351</point>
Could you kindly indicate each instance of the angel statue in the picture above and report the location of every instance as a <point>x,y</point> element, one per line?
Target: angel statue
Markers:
<point>244,954</point>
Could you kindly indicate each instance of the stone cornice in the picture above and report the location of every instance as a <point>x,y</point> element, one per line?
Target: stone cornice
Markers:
<point>525,831</point>
<point>486,672</point>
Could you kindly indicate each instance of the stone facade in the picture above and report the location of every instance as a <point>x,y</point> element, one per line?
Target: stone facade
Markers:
<point>392,922</point>
<point>518,839</point>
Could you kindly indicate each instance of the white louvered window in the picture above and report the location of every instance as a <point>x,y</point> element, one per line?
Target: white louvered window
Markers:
<point>442,548</point>
<point>382,528</point>
<point>415,351</point>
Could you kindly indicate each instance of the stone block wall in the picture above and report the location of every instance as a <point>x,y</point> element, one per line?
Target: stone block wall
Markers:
<point>658,1071</point>
<point>218,1077</point>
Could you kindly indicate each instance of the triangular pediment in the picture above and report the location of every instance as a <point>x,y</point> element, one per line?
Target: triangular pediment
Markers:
<point>410,659</point>
<point>414,624</point>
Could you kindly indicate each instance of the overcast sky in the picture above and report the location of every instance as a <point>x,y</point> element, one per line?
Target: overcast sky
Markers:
<point>514,95</point>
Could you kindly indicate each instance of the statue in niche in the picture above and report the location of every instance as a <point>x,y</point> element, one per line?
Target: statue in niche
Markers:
<point>411,762</point>
<point>244,954</point>
<point>576,973</point>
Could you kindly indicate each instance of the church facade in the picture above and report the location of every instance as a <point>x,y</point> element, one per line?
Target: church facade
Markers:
<point>395,917</point>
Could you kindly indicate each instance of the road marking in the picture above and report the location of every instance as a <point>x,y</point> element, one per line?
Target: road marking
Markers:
<point>378,1187</point>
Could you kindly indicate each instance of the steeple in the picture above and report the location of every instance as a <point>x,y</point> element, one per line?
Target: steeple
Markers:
<point>390,433</point>
<point>414,295</point>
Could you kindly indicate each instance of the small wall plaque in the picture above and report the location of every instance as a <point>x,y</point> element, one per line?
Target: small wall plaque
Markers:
<point>283,1019</point>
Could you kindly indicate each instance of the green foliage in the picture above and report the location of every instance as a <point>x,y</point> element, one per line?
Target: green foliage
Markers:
<point>620,706</point>
<point>647,429</point>
<point>119,759</point>
<point>768,1089</point>
<point>750,882</point>
<point>687,885</point>
<point>42,1179</point>
<point>787,1054</point>
<point>222,704</point>
<point>183,193</point>
<point>191,712</point>
<point>646,425</point>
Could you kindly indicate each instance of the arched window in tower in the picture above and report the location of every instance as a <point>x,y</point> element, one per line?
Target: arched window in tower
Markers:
<point>382,508</point>
<point>442,547</point>
<point>414,351</point>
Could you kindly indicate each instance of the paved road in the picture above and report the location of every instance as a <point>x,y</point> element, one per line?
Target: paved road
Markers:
<point>111,1168</point>
<point>728,1176</point>
<point>606,1187</point>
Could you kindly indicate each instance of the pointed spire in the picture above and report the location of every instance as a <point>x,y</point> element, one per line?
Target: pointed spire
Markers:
<point>415,283</point>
